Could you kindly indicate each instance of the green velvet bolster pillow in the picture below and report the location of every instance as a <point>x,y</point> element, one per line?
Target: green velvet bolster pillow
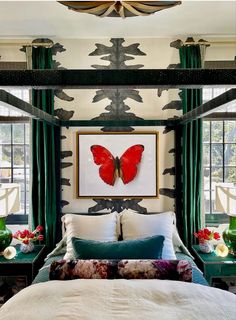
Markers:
<point>145,248</point>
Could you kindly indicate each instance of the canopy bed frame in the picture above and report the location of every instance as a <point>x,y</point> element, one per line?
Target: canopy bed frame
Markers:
<point>145,79</point>
<point>121,298</point>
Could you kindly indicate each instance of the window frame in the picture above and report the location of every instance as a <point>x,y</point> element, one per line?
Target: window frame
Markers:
<point>21,218</point>
<point>15,65</point>
<point>212,217</point>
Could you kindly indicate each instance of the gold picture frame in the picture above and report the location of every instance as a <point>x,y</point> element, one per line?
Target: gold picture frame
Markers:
<point>90,184</point>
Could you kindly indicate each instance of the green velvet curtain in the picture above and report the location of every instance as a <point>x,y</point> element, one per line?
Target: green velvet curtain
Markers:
<point>190,57</point>
<point>44,184</point>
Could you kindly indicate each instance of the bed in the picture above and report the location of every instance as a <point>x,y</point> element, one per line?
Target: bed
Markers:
<point>56,295</point>
<point>120,299</point>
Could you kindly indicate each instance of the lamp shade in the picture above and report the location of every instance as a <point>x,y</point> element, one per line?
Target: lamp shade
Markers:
<point>9,198</point>
<point>225,200</point>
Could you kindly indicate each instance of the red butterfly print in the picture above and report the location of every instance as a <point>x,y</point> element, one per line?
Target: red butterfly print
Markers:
<point>110,167</point>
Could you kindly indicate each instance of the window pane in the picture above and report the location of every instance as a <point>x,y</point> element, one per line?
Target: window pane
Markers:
<point>18,177</point>
<point>18,133</point>
<point>5,175</point>
<point>5,133</point>
<point>206,131</point>
<point>213,195</point>
<point>217,91</point>
<point>230,131</point>
<point>18,156</point>
<point>230,154</point>
<point>206,154</point>
<point>206,178</point>
<point>27,178</point>
<point>217,174</point>
<point>27,203</point>
<point>22,201</point>
<point>27,156</point>
<point>217,154</point>
<point>207,201</point>
<point>217,131</point>
<point>230,175</point>
<point>27,133</point>
<point>5,156</point>
<point>207,94</point>
<point>212,201</point>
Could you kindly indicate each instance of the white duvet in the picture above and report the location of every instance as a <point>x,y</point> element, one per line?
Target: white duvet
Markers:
<point>118,300</point>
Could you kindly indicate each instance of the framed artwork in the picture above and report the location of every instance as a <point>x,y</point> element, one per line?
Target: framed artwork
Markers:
<point>117,165</point>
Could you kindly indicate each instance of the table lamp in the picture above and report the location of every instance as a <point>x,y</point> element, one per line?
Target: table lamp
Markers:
<point>226,202</point>
<point>9,203</point>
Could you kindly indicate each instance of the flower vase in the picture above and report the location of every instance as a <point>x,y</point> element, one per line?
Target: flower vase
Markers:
<point>206,246</point>
<point>5,234</point>
<point>26,248</point>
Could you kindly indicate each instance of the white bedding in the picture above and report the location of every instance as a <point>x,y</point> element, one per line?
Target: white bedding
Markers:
<point>119,300</point>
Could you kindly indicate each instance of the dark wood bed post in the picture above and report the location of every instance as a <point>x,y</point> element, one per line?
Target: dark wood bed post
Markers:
<point>57,138</point>
<point>178,178</point>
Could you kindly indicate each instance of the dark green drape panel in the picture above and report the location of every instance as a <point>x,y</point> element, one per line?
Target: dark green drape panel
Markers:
<point>44,185</point>
<point>190,57</point>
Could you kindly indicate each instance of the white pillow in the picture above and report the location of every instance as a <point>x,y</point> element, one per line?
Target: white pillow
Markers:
<point>100,228</point>
<point>135,225</point>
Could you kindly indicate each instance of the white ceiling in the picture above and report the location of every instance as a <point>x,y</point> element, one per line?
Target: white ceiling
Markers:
<point>30,19</point>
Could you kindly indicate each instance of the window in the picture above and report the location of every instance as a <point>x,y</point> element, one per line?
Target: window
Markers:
<point>219,159</point>
<point>14,155</point>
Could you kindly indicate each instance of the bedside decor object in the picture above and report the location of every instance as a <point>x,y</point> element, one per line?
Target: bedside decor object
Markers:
<point>25,248</point>
<point>221,250</point>
<point>9,203</point>
<point>27,238</point>
<point>204,236</point>
<point>226,202</point>
<point>206,247</point>
<point>9,253</point>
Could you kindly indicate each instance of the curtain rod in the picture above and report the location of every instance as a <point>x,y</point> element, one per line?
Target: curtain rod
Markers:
<point>25,44</point>
<point>50,44</point>
<point>209,42</point>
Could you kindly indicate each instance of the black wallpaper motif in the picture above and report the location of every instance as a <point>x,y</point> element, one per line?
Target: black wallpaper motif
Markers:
<point>117,54</point>
<point>117,205</point>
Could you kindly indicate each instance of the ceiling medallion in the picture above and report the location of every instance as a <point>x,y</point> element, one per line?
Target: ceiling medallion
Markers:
<point>121,9</point>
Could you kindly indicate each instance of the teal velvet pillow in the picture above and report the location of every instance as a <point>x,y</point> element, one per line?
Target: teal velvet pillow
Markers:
<point>145,248</point>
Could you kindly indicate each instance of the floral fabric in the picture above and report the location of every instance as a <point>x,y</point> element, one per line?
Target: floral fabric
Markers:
<point>121,269</point>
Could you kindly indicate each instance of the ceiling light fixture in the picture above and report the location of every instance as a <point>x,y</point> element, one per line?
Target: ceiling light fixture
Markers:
<point>121,9</point>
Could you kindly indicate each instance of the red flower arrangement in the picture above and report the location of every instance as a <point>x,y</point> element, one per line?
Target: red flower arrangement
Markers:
<point>26,236</point>
<point>206,234</point>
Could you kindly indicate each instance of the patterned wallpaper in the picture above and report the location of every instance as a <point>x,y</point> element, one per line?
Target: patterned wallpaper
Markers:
<point>122,104</point>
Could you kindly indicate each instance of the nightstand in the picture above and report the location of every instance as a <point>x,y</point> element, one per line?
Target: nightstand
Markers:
<point>214,266</point>
<point>19,272</point>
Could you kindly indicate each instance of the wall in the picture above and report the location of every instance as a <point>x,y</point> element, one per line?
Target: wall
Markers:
<point>77,56</point>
